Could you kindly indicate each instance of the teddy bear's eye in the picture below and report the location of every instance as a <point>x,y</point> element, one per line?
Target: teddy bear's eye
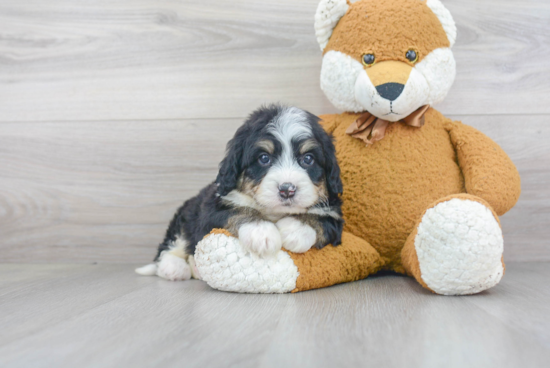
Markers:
<point>412,56</point>
<point>368,59</point>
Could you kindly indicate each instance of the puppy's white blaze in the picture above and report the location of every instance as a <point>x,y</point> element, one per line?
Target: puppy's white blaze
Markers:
<point>296,236</point>
<point>261,238</point>
<point>290,125</point>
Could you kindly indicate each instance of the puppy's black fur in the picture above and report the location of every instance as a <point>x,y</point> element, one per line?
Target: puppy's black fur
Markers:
<point>207,211</point>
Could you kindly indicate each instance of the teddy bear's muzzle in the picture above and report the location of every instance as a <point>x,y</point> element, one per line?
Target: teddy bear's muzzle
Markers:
<point>391,90</point>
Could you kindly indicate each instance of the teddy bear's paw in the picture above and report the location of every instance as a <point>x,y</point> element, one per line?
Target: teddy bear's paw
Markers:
<point>296,236</point>
<point>226,265</point>
<point>459,247</point>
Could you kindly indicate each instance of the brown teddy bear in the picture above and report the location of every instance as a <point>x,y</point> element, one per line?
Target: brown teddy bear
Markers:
<point>422,193</point>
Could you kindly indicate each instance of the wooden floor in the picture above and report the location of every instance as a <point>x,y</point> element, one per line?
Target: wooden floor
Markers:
<point>106,316</point>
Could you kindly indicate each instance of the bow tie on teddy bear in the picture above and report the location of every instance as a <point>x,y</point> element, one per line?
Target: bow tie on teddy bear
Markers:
<point>371,129</point>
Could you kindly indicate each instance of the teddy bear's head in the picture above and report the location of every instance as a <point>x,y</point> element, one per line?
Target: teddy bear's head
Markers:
<point>387,57</point>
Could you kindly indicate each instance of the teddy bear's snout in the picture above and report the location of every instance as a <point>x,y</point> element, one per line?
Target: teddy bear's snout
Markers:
<point>389,78</point>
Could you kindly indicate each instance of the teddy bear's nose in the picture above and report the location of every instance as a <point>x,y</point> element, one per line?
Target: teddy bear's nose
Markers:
<point>390,91</point>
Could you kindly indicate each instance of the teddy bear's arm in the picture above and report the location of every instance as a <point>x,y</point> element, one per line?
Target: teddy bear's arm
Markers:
<point>488,171</point>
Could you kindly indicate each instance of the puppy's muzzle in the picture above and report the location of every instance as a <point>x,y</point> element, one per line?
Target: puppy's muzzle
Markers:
<point>287,190</point>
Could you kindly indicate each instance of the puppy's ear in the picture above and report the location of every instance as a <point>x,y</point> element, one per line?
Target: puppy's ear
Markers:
<point>334,183</point>
<point>332,170</point>
<point>231,166</point>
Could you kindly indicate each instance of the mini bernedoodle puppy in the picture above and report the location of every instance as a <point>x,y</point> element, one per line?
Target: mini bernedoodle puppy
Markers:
<point>278,186</point>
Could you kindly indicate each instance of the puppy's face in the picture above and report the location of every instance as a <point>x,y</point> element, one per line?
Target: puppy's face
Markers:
<point>287,162</point>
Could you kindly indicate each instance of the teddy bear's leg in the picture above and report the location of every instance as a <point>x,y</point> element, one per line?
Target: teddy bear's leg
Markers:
<point>225,265</point>
<point>456,247</point>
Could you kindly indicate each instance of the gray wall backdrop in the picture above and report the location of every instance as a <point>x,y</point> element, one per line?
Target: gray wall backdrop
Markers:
<point>112,112</point>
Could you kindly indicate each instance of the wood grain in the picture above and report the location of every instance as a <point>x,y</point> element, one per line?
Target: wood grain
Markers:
<point>100,191</point>
<point>106,316</point>
<point>176,59</point>
<point>105,191</point>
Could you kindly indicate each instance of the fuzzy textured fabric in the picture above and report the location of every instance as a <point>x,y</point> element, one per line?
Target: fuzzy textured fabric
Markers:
<point>389,185</point>
<point>367,27</point>
<point>224,265</point>
<point>460,221</point>
<point>355,261</point>
<point>421,201</point>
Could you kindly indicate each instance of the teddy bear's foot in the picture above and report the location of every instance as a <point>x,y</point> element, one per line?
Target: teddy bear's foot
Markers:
<point>458,248</point>
<point>225,265</point>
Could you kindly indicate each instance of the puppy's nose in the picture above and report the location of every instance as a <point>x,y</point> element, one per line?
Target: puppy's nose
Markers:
<point>390,91</point>
<point>287,190</point>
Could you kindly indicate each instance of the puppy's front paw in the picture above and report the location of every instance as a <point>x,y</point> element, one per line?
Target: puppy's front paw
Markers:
<point>261,238</point>
<point>297,237</point>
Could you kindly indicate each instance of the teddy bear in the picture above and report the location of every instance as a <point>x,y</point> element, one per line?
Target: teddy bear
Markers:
<point>422,193</point>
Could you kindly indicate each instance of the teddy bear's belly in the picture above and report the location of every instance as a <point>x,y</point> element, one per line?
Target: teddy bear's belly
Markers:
<point>389,185</point>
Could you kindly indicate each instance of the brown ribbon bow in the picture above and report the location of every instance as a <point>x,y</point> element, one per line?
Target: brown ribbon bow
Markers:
<point>370,129</point>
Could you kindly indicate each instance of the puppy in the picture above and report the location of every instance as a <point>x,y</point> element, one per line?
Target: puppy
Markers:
<point>278,186</point>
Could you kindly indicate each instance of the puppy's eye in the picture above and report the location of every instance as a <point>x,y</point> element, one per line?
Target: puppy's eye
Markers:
<point>369,59</point>
<point>412,56</point>
<point>264,159</point>
<point>308,160</point>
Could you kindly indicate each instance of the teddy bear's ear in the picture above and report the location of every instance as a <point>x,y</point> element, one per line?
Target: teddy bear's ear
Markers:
<point>328,14</point>
<point>445,18</point>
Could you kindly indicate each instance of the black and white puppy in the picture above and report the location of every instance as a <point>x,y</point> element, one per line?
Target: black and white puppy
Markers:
<point>278,186</point>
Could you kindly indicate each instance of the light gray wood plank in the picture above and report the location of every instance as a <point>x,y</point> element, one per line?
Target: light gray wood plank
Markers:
<point>100,191</point>
<point>164,323</point>
<point>55,293</point>
<point>385,321</point>
<point>105,191</point>
<point>499,53</point>
<point>167,59</point>
<point>526,284</point>
<point>396,324</point>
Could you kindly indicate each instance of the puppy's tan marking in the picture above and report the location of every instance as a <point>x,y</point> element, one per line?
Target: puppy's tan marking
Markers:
<point>308,146</point>
<point>266,145</point>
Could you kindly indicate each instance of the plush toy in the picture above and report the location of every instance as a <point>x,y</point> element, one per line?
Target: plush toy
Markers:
<point>422,193</point>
